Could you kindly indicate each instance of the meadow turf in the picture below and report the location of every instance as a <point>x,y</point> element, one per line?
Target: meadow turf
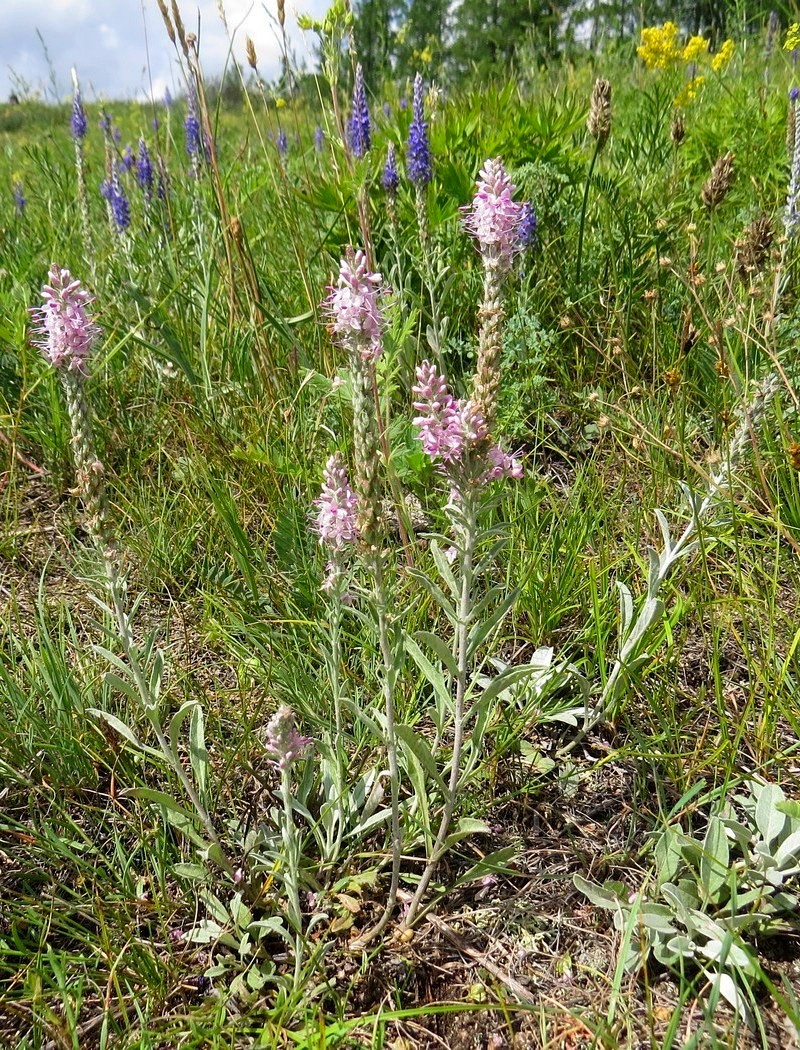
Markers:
<point>218,395</point>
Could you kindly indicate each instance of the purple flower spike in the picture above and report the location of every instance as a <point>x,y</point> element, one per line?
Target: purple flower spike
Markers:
<point>319,139</point>
<point>128,160</point>
<point>336,507</point>
<point>195,147</point>
<point>527,230</point>
<point>360,133</point>
<point>494,217</point>
<point>113,192</point>
<point>419,153</point>
<point>144,170</point>
<point>390,179</point>
<point>283,742</point>
<point>66,332</point>
<point>282,142</point>
<point>19,198</point>
<point>794,94</point>
<point>79,125</point>
<point>354,306</point>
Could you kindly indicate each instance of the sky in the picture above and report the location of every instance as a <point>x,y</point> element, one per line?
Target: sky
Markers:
<point>120,47</point>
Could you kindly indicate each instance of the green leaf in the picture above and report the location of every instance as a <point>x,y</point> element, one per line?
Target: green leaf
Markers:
<point>419,748</point>
<point>176,722</point>
<point>436,592</point>
<point>440,647</point>
<point>600,896</point>
<point>443,568</point>
<point>432,673</point>
<point>198,755</point>
<point>493,863</point>
<point>715,859</point>
<point>179,818</point>
<point>124,731</point>
<point>769,819</point>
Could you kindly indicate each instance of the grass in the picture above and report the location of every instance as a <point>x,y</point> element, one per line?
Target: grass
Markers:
<point>218,395</point>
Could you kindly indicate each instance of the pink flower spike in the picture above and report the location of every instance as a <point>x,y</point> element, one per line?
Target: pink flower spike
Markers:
<point>65,329</point>
<point>283,742</point>
<point>493,218</point>
<point>440,420</point>
<point>336,507</point>
<point>354,306</point>
<point>501,465</point>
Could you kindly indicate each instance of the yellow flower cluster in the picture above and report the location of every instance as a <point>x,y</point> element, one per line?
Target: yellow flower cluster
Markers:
<point>659,48</point>
<point>695,49</point>
<point>688,92</point>
<point>792,37</point>
<point>720,61</point>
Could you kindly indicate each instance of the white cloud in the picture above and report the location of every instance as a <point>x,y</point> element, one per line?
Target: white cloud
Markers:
<point>93,35</point>
<point>109,36</point>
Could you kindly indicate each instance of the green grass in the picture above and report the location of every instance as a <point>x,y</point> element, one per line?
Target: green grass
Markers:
<point>215,410</point>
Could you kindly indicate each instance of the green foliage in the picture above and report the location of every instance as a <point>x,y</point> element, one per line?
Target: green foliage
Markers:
<point>713,895</point>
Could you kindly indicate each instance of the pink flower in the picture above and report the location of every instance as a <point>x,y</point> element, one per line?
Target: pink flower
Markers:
<point>446,427</point>
<point>65,329</point>
<point>494,217</point>
<point>356,315</point>
<point>501,465</point>
<point>336,507</point>
<point>283,742</point>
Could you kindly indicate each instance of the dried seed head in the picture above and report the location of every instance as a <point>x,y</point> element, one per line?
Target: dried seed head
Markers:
<point>281,12</point>
<point>752,248</point>
<point>718,183</point>
<point>176,17</point>
<point>677,131</point>
<point>167,20</point>
<point>250,52</point>
<point>599,121</point>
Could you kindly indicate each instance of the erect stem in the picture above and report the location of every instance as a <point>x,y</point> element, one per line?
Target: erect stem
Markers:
<point>379,596</point>
<point>462,644</point>
<point>595,155</point>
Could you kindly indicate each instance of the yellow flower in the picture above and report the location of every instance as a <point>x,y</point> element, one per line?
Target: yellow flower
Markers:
<point>723,56</point>
<point>695,49</point>
<point>425,55</point>
<point>280,103</point>
<point>688,92</point>
<point>659,48</point>
<point>792,37</point>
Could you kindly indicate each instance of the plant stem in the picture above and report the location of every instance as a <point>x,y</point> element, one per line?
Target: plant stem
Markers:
<point>149,706</point>
<point>290,880</point>
<point>589,174</point>
<point>379,596</point>
<point>462,634</point>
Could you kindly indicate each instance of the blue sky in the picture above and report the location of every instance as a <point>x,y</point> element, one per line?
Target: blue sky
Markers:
<point>120,47</point>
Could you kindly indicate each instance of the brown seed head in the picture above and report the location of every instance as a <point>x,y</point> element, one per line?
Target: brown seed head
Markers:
<point>250,52</point>
<point>752,248</point>
<point>167,20</point>
<point>176,17</point>
<point>599,120</point>
<point>718,183</point>
<point>677,131</point>
<point>281,12</point>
